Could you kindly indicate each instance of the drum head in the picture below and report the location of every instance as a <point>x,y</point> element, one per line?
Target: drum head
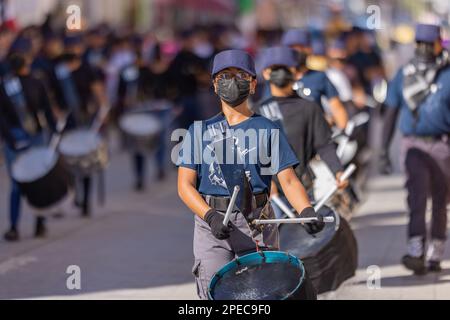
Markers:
<point>270,275</point>
<point>139,124</point>
<point>79,142</point>
<point>34,164</point>
<point>295,239</point>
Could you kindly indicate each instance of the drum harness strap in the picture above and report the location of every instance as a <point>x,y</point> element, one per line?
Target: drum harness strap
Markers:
<point>220,131</point>
<point>419,81</point>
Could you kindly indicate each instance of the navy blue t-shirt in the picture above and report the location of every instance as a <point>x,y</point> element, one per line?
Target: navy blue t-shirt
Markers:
<point>433,117</point>
<point>315,85</point>
<point>258,142</point>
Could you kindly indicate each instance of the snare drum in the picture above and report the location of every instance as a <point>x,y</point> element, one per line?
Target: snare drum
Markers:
<point>84,151</point>
<point>42,176</point>
<point>269,275</point>
<point>141,131</point>
<point>330,257</point>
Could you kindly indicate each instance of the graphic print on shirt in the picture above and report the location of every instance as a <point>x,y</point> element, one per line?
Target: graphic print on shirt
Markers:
<point>221,134</point>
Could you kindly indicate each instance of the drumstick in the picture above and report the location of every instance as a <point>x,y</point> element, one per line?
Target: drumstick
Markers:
<point>348,132</point>
<point>347,173</point>
<point>293,221</point>
<point>280,204</point>
<point>98,121</point>
<point>56,138</point>
<point>231,206</point>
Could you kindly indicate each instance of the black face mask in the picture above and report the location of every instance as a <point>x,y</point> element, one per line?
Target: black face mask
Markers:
<point>425,53</point>
<point>281,77</point>
<point>233,91</point>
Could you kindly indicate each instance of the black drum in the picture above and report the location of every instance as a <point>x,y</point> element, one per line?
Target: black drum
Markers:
<point>330,257</point>
<point>42,176</point>
<point>269,275</point>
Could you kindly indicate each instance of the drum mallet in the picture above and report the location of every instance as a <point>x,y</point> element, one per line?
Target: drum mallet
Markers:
<point>101,117</point>
<point>56,137</point>
<point>231,205</point>
<point>347,173</point>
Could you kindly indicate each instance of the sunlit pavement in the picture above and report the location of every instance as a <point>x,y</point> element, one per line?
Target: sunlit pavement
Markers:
<point>380,227</point>
<point>139,246</point>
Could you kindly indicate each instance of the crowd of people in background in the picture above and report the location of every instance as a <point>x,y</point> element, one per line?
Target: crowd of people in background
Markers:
<point>340,69</point>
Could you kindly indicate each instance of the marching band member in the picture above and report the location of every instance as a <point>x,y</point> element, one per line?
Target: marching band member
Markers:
<point>314,85</point>
<point>303,122</point>
<point>78,89</point>
<point>206,183</point>
<point>149,88</point>
<point>420,95</point>
<point>23,102</point>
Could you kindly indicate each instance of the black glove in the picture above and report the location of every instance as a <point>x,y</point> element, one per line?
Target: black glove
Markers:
<point>313,227</point>
<point>384,164</point>
<point>215,222</point>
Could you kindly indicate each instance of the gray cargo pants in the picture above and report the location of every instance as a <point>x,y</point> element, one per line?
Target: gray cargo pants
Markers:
<point>212,254</point>
<point>427,165</point>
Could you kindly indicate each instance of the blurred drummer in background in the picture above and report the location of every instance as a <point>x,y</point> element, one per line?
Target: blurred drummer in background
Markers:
<point>80,92</point>
<point>148,88</point>
<point>25,113</point>
<point>419,95</point>
<point>302,120</point>
<point>314,85</point>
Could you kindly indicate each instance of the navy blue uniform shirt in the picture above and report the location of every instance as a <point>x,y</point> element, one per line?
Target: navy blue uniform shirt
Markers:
<point>271,155</point>
<point>315,85</point>
<point>434,113</point>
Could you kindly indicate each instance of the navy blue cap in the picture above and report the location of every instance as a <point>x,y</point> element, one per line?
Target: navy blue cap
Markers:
<point>319,47</point>
<point>279,56</point>
<point>296,37</point>
<point>21,45</point>
<point>234,59</point>
<point>427,32</point>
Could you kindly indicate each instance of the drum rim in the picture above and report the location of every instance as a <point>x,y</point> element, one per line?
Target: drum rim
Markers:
<point>129,114</point>
<point>63,150</point>
<point>268,256</point>
<point>53,163</point>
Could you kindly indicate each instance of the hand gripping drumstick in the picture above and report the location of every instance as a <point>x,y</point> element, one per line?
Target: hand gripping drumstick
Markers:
<point>347,173</point>
<point>231,206</point>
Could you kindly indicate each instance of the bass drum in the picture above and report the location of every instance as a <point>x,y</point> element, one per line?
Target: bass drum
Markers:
<point>141,131</point>
<point>42,176</point>
<point>330,257</point>
<point>84,151</point>
<point>269,275</point>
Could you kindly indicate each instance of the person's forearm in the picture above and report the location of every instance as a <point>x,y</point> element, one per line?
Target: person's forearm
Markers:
<point>193,200</point>
<point>100,94</point>
<point>295,193</point>
<point>340,116</point>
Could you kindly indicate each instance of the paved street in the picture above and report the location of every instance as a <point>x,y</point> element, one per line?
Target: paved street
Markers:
<point>139,246</point>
